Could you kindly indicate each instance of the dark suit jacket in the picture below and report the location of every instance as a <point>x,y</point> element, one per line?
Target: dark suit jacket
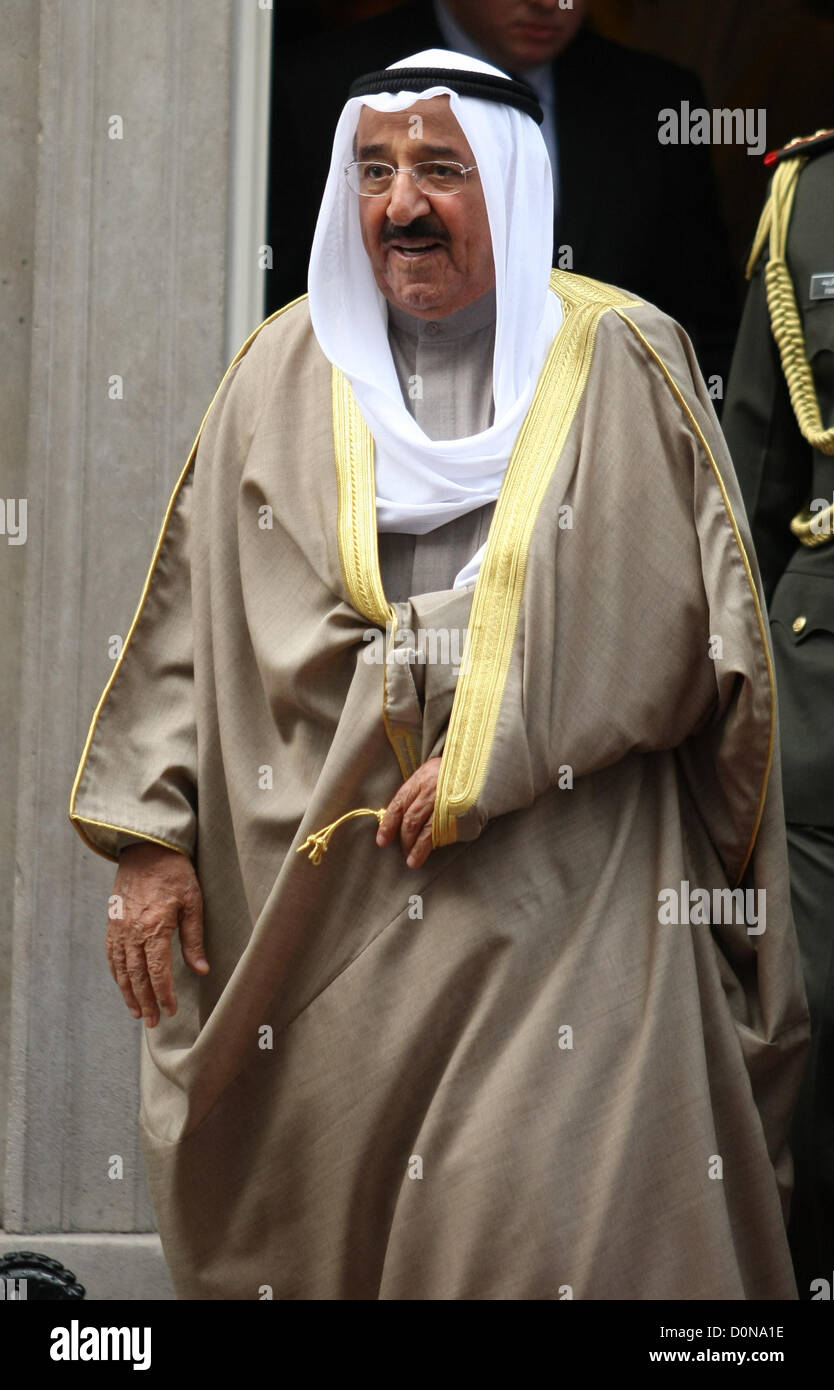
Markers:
<point>636,213</point>
<point>779,474</point>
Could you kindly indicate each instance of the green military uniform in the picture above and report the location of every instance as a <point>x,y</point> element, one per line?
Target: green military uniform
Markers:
<point>779,423</point>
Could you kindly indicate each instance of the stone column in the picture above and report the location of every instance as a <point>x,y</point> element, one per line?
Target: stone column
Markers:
<point>18,167</point>
<point>128,345</point>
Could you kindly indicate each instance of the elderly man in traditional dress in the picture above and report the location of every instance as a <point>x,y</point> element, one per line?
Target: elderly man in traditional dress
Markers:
<point>446,727</point>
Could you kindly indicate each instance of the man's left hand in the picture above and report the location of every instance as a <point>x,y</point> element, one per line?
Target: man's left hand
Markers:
<point>410,812</point>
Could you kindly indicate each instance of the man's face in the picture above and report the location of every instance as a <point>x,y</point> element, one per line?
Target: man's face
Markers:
<point>430,255</point>
<point>519,33</point>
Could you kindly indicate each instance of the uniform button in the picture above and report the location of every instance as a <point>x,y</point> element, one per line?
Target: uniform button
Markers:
<point>432,328</point>
<point>798,624</point>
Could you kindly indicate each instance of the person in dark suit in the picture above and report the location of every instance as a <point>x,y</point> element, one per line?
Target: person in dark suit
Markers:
<point>779,423</point>
<point>630,211</point>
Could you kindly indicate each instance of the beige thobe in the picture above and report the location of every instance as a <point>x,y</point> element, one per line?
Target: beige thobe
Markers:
<point>501,1075</point>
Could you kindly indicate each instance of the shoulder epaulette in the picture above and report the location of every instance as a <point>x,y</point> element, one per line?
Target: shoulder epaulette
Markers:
<point>806,145</point>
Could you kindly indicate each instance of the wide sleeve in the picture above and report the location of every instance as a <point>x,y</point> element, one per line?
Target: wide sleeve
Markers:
<point>639,693</point>
<point>641,626</point>
<point>137,777</point>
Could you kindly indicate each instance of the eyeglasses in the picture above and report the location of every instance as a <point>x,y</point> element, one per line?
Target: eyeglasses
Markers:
<point>370,179</point>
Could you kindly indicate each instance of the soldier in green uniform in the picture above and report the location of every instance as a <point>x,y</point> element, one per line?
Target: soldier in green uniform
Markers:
<point>779,423</point>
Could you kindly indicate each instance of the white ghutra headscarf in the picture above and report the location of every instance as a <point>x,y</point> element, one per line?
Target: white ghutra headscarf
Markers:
<point>422,483</point>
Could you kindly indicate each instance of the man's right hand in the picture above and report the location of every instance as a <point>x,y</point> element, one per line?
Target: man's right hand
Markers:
<point>156,891</point>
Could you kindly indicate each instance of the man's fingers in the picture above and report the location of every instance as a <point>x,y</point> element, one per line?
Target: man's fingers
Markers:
<point>137,969</point>
<point>390,823</point>
<point>118,969</point>
<point>158,959</point>
<point>421,848</point>
<point>410,807</point>
<point>414,820</point>
<point>159,894</point>
<point>388,826</point>
<point>191,934</point>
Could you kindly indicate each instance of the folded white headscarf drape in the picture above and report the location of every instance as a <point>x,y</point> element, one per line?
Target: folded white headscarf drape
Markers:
<point>422,483</point>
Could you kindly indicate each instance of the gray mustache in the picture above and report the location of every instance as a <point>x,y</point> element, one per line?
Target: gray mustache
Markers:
<point>415,230</point>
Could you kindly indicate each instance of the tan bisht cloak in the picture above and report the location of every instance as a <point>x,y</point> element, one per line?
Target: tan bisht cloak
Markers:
<point>502,1075</point>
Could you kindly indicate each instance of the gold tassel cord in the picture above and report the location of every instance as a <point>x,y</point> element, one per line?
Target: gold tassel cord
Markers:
<point>318,842</point>
<point>784,315</point>
<point>810,528</point>
<point>813,528</point>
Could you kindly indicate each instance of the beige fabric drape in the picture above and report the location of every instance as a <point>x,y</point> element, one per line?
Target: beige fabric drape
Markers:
<point>498,1076</point>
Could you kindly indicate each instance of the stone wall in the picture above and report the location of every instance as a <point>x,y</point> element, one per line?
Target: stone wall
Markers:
<point>115,230</point>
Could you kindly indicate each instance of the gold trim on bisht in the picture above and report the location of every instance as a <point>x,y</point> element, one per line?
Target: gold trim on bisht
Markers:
<point>353,452</point>
<point>498,588</point>
<point>353,447</point>
<point>786,326</point>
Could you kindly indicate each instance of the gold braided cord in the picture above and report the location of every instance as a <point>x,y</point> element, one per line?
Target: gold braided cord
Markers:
<point>318,842</point>
<point>781,302</point>
<point>762,234</point>
<point>763,228</point>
